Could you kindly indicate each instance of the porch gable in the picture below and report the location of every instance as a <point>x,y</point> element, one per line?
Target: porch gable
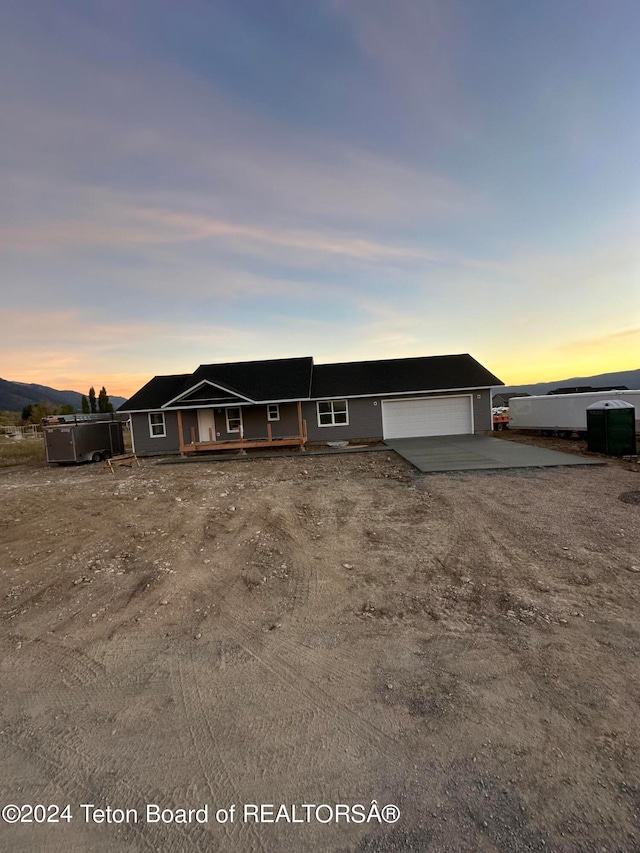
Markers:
<point>208,393</point>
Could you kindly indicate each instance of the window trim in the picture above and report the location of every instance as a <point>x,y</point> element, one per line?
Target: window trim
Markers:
<point>163,424</point>
<point>333,412</point>
<point>275,406</point>
<point>240,428</point>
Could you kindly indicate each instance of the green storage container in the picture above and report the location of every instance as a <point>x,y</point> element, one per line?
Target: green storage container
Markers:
<point>611,428</point>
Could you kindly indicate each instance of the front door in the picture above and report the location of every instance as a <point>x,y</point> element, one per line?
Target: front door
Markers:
<point>206,425</point>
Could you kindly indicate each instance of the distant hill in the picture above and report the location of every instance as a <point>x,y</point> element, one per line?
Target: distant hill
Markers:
<point>630,378</point>
<point>14,396</point>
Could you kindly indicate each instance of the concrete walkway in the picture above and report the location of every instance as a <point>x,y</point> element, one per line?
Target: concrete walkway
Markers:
<point>478,452</point>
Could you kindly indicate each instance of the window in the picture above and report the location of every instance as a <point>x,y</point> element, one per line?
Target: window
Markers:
<point>157,427</point>
<point>234,419</point>
<point>273,412</point>
<point>333,413</point>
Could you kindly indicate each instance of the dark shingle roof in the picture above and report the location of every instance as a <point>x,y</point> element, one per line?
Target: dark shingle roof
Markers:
<point>275,379</point>
<point>399,375</point>
<point>291,379</point>
<point>156,392</point>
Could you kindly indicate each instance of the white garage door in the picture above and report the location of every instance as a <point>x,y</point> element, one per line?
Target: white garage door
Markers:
<point>435,416</point>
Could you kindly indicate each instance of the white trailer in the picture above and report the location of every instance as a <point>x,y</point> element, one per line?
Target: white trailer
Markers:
<point>563,413</point>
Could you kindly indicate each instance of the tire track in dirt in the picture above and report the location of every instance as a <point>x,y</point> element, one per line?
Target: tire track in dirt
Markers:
<point>293,543</point>
<point>274,550</point>
<point>302,588</point>
<point>60,667</point>
<point>77,662</point>
<point>121,652</point>
<point>220,783</point>
<point>336,664</point>
<point>33,599</point>
<point>77,679</point>
<point>302,592</point>
<point>320,699</point>
<point>305,585</point>
<point>68,769</point>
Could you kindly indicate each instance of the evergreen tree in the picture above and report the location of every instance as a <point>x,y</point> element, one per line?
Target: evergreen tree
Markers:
<point>103,400</point>
<point>85,405</point>
<point>92,399</point>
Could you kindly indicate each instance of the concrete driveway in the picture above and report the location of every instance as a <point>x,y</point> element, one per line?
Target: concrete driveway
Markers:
<point>478,452</point>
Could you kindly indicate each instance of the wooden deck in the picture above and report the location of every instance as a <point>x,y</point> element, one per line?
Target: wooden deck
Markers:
<point>241,443</point>
<point>247,444</point>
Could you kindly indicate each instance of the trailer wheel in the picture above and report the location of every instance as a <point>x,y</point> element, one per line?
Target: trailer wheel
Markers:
<point>97,457</point>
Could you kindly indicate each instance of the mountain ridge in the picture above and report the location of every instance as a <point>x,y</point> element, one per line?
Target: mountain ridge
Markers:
<point>14,396</point>
<point>630,378</point>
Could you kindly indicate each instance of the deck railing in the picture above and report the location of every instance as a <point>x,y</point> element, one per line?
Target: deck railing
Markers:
<point>195,445</point>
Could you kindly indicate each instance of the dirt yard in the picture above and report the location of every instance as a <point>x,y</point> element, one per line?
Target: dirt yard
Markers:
<point>320,630</point>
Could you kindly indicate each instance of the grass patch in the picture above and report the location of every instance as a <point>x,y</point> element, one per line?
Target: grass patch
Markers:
<point>29,451</point>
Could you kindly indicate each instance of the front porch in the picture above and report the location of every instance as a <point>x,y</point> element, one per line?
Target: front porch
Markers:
<point>192,441</point>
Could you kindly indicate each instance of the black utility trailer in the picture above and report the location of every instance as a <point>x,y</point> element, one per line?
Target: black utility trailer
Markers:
<point>74,441</point>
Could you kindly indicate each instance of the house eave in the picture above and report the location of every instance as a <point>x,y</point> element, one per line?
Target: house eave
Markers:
<point>401,393</point>
<point>168,408</point>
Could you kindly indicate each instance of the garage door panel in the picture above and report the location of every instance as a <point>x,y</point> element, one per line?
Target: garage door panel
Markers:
<point>427,416</point>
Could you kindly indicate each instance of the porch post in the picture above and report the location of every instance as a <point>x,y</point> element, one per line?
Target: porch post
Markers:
<point>242,451</point>
<point>301,426</point>
<point>180,433</point>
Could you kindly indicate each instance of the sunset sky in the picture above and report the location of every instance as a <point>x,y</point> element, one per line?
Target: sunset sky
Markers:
<point>350,179</point>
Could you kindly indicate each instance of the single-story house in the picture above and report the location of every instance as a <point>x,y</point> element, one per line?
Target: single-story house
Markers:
<point>292,402</point>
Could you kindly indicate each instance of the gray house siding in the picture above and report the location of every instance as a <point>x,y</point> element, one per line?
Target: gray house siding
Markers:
<point>482,419</point>
<point>144,444</point>
<point>365,416</point>
<point>189,422</point>
<point>254,422</point>
<point>287,426</point>
<point>365,422</point>
<point>254,419</point>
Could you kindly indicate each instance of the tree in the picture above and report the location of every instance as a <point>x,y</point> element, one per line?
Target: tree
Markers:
<point>39,411</point>
<point>92,399</point>
<point>65,409</point>
<point>103,400</point>
<point>85,405</point>
<point>26,413</point>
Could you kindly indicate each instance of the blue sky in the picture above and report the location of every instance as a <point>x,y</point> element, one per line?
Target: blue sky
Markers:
<point>350,179</point>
